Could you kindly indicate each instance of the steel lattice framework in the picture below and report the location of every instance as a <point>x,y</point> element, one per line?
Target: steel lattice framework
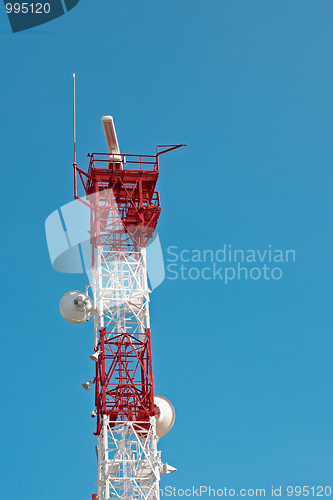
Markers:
<point>124,211</point>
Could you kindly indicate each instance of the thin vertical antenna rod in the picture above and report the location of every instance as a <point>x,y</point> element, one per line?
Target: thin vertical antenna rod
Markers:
<point>74,123</point>
<point>74,129</point>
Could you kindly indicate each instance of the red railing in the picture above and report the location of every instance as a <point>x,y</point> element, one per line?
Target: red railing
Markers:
<point>105,161</point>
<point>130,162</point>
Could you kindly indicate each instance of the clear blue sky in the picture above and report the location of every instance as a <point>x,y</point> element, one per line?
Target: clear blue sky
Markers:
<point>247,85</point>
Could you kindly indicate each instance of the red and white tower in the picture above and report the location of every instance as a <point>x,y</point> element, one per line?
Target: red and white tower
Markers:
<point>124,209</point>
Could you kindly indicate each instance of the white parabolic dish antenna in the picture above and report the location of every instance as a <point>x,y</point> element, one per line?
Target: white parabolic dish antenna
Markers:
<point>76,307</point>
<point>165,415</point>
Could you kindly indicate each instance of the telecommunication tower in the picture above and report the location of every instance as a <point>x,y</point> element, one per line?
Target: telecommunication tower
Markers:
<point>120,193</point>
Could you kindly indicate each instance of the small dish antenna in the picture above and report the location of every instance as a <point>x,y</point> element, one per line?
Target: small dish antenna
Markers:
<point>165,415</point>
<point>76,307</point>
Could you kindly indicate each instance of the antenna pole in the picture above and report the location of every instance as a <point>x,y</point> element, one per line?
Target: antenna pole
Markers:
<point>74,122</point>
<point>74,131</point>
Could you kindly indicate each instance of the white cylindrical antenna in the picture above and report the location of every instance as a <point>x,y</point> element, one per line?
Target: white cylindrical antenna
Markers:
<point>74,122</point>
<point>110,135</point>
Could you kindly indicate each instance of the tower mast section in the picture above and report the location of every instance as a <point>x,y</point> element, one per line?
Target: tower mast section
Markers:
<point>124,207</point>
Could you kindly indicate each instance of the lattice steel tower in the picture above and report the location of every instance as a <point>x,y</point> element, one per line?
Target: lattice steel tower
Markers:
<point>124,207</point>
